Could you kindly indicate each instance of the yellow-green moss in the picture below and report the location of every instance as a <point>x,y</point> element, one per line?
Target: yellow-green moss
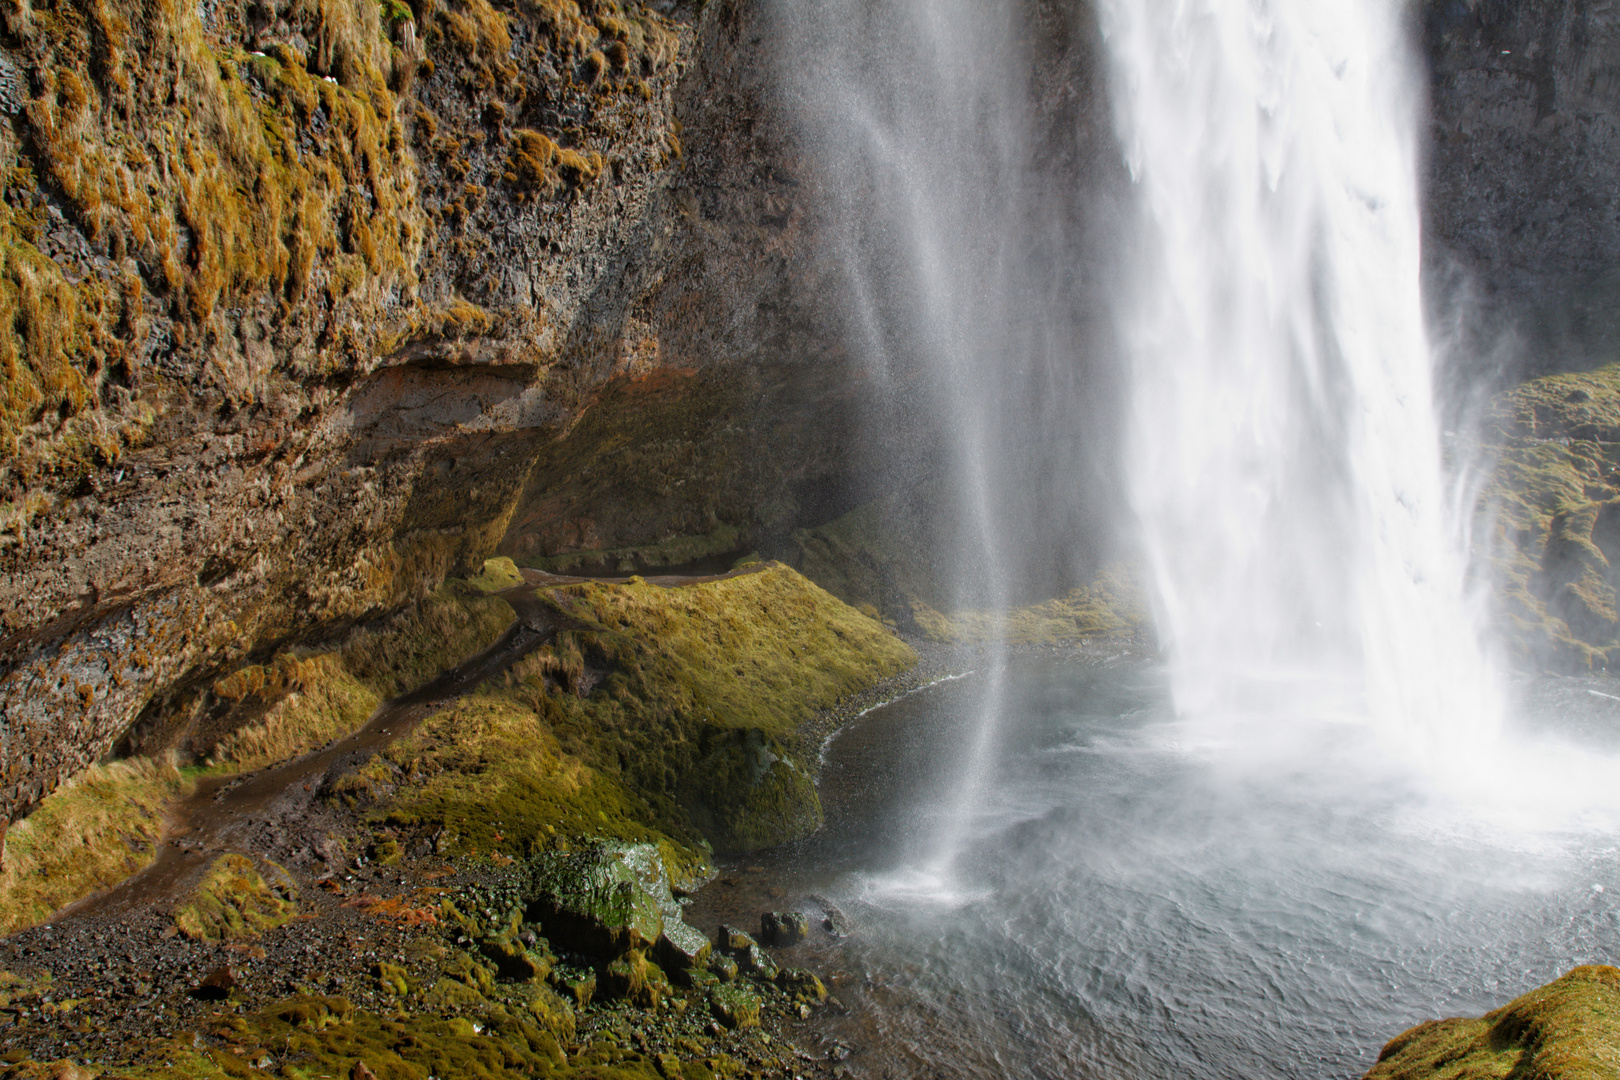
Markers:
<point>499,574</point>
<point>1554,444</point>
<point>234,901</point>
<point>1566,1030</point>
<point>310,1037</point>
<point>762,650</point>
<point>491,773</point>
<point>88,834</point>
<point>1110,607</point>
<point>676,714</point>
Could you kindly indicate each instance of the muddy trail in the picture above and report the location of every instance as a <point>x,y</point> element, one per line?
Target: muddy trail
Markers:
<point>259,812</point>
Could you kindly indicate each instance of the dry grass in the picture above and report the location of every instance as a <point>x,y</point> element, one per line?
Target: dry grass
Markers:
<point>90,833</point>
<point>322,702</point>
<point>186,156</point>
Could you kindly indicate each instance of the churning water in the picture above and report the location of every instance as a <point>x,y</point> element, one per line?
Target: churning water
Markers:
<point>1137,899</point>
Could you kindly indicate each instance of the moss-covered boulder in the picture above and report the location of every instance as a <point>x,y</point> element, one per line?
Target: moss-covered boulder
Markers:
<point>734,1006</point>
<point>234,900</point>
<point>604,901</point>
<point>1549,518</point>
<point>1566,1030</point>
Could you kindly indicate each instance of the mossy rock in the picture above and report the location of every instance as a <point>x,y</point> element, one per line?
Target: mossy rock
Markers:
<point>234,901</point>
<point>1566,1030</point>
<point>747,793</point>
<point>603,901</point>
<point>734,1006</point>
<point>499,574</point>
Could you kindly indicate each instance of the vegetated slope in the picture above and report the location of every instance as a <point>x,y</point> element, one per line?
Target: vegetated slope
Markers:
<point>1566,1030</point>
<point>1549,521</point>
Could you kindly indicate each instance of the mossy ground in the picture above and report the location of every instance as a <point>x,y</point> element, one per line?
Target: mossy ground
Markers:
<point>89,834</point>
<point>236,900</point>
<point>104,826</point>
<point>625,729</point>
<point>1566,1030</point>
<point>871,558</point>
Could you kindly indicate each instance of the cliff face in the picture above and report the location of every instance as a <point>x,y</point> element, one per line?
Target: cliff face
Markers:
<point>291,292</point>
<point>1524,169</point>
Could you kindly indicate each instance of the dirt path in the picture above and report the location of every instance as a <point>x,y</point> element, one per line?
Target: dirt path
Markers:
<point>257,812</point>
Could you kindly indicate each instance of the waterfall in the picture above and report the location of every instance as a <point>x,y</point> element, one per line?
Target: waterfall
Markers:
<point>1284,455</point>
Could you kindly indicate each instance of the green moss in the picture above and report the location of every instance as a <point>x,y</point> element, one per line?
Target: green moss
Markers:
<point>450,625</point>
<point>234,901</point>
<point>678,712</point>
<point>1566,1030</point>
<point>499,574</point>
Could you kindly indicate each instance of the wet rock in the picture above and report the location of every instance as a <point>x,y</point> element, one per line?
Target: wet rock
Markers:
<point>802,985</point>
<point>634,978</point>
<point>756,963</point>
<point>834,921</point>
<point>696,979</point>
<point>681,946</point>
<point>724,967</point>
<point>217,986</point>
<point>783,928</point>
<point>734,1007</point>
<point>580,988</point>
<point>731,941</point>
<point>603,901</point>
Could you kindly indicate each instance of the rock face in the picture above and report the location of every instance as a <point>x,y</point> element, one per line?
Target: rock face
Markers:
<point>1524,166</point>
<point>1567,1030</point>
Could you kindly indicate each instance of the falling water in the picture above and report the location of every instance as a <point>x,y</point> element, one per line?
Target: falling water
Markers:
<point>1284,455</point>
<point>920,118</point>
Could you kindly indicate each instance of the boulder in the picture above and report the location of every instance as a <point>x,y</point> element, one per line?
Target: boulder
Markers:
<point>1567,1029</point>
<point>731,941</point>
<point>756,963</point>
<point>602,901</point>
<point>802,985</point>
<point>783,928</point>
<point>734,1007</point>
<point>724,967</point>
<point>681,947</point>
